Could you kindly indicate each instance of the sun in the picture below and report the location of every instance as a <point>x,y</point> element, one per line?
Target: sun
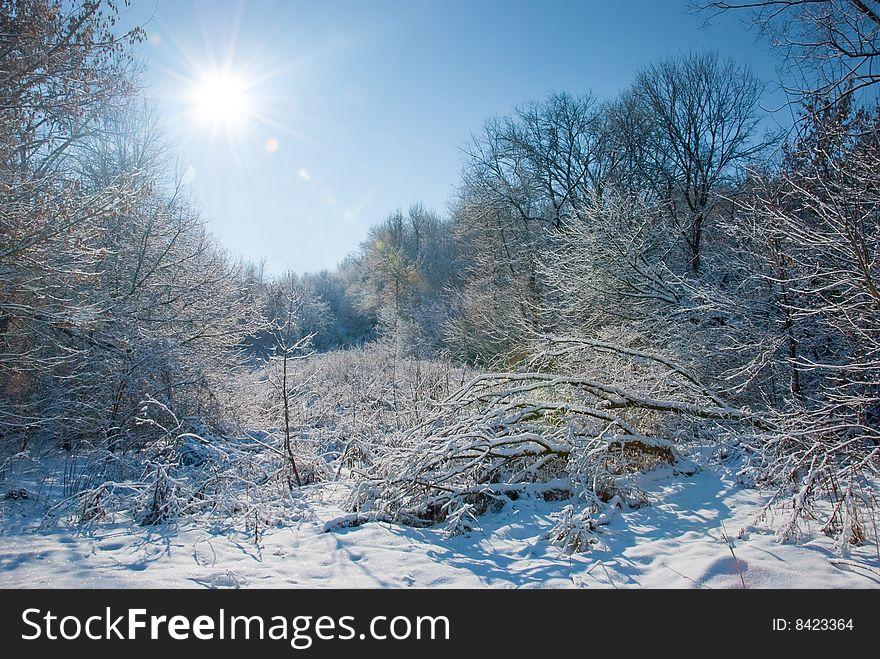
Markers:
<point>220,100</point>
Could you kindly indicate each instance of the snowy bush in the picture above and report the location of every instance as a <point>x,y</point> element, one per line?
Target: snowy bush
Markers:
<point>343,406</point>
<point>555,435</point>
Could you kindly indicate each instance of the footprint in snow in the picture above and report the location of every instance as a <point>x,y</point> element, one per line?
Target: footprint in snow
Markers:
<point>227,579</point>
<point>111,546</point>
<point>203,553</point>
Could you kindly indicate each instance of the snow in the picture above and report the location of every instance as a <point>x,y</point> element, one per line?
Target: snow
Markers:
<point>677,542</point>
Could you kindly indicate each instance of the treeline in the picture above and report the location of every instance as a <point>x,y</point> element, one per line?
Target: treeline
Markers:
<point>396,285</point>
<point>477,283</point>
<point>668,218</point>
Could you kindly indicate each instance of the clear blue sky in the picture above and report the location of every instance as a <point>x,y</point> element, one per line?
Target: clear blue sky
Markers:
<point>368,102</point>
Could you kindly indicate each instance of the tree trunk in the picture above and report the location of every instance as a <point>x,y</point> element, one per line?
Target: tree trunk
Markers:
<point>287,444</point>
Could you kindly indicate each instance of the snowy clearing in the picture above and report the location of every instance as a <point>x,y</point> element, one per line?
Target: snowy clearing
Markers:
<point>677,542</point>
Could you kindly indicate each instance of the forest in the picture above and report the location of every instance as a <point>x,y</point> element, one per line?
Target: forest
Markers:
<point>660,282</point>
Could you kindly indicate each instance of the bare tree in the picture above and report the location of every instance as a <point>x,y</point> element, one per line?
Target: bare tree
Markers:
<point>610,267</point>
<point>111,289</point>
<point>286,326</point>
<point>832,46</point>
<point>698,119</point>
<point>525,177</point>
<point>541,160</point>
<point>61,67</point>
<point>820,216</point>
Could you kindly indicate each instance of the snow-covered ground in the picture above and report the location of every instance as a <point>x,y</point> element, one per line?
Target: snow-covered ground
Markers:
<point>675,543</point>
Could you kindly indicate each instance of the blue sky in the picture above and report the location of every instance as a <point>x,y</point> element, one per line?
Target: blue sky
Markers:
<point>368,102</point>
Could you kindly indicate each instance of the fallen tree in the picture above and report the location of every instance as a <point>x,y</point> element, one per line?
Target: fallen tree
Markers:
<point>552,434</point>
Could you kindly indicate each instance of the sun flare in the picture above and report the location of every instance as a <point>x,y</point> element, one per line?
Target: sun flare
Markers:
<point>221,100</point>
